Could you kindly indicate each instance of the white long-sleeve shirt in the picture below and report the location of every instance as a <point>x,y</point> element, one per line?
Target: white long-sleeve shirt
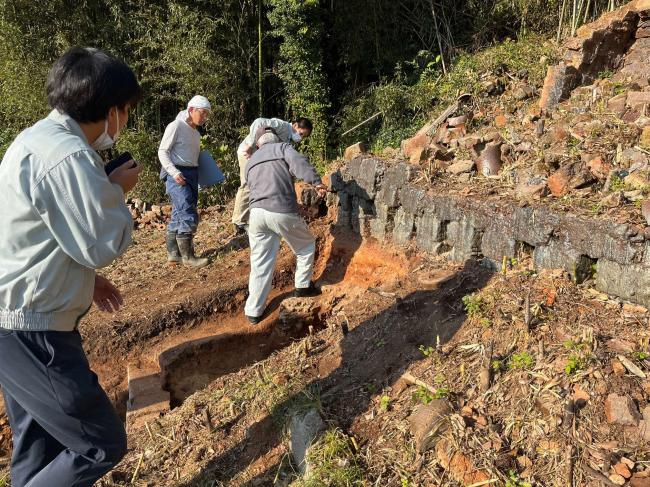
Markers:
<point>180,146</point>
<point>282,129</point>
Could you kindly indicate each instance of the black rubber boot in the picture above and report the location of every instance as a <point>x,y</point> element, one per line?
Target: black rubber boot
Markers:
<point>307,292</point>
<point>187,251</point>
<point>254,320</point>
<point>240,230</point>
<point>173,254</point>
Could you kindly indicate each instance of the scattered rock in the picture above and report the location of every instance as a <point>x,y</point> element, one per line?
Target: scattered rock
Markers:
<point>617,104</point>
<point>456,121</point>
<point>619,345</point>
<point>469,142</point>
<point>459,466</point>
<point>633,196</point>
<point>354,150</point>
<point>621,410</point>
<point>559,82</point>
<point>500,121</point>
<point>618,368</point>
<point>559,133</point>
<point>492,87</point>
<point>524,147</point>
<point>489,162</point>
<point>524,92</point>
<point>428,422</point>
<point>630,157</point>
<point>644,427</point>
<point>636,99</point>
<point>599,167</point>
<point>461,167</point>
<point>638,481</point>
<point>532,188</point>
<point>631,115</point>
<point>638,180</point>
<point>621,469</point>
<point>419,154</point>
<point>579,394</point>
<point>629,463</point>
<point>492,136</point>
<point>419,141</point>
<point>569,177</point>
<point>644,140</point>
<point>645,211</point>
<point>304,429</point>
<point>642,122</point>
<point>613,200</point>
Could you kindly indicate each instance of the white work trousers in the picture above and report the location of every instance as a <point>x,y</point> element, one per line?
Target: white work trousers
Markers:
<point>265,229</point>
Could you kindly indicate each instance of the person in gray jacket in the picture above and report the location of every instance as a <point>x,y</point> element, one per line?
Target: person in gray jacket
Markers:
<point>62,218</point>
<point>295,132</point>
<point>274,216</point>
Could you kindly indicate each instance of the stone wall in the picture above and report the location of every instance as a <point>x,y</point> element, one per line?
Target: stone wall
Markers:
<point>378,199</point>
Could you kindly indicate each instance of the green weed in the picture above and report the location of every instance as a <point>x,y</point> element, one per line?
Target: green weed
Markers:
<point>384,403</point>
<point>473,305</point>
<point>521,361</point>
<point>333,462</point>
<point>426,351</point>
<point>513,480</point>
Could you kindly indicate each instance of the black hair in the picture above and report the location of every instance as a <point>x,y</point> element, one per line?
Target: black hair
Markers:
<point>86,82</point>
<point>304,123</point>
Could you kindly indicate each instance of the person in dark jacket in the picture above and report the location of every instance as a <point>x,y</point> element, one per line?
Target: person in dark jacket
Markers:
<point>274,216</point>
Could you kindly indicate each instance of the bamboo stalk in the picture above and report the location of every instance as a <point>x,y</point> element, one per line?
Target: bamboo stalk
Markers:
<point>559,27</point>
<point>435,23</point>
<point>584,21</point>
<point>362,123</point>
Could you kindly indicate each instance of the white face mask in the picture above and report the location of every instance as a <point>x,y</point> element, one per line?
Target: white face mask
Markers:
<point>105,141</point>
<point>296,137</point>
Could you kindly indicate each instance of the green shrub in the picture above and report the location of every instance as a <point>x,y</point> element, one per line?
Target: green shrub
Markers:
<point>406,106</point>
<point>143,146</point>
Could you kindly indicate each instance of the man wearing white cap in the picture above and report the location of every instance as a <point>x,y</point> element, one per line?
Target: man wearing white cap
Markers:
<point>295,132</point>
<point>179,155</point>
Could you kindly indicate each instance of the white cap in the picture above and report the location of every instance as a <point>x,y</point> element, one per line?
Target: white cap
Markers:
<point>199,101</point>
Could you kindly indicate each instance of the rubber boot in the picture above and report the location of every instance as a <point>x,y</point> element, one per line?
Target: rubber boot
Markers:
<point>307,292</point>
<point>187,251</point>
<point>173,254</point>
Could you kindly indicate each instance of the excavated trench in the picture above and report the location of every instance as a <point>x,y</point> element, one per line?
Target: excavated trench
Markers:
<point>192,365</point>
<point>226,342</point>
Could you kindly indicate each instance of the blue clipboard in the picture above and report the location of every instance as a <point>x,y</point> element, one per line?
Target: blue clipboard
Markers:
<point>209,172</point>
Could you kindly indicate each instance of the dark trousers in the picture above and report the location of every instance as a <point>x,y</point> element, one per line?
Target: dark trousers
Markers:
<point>66,432</point>
<point>185,217</point>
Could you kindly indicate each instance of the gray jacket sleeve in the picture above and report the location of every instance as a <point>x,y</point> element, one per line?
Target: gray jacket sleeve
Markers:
<point>84,211</point>
<point>299,166</point>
